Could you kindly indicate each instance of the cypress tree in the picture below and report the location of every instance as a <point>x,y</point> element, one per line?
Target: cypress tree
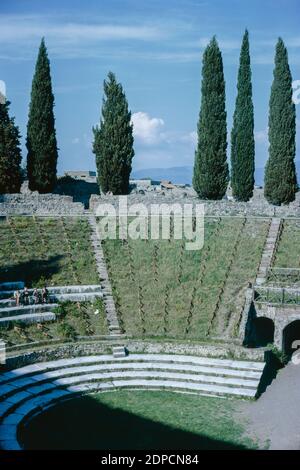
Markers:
<point>280,173</point>
<point>41,136</point>
<point>113,140</point>
<point>242,135</point>
<point>210,178</point>
<point>10,152</point>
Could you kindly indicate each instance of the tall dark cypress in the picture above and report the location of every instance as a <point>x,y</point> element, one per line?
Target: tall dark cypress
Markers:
<point>113,140</point>
<point>210,178</point>
<point>10,152</point>
<point>41,136</point>
<point>280,173</point>
<point>242,135</point>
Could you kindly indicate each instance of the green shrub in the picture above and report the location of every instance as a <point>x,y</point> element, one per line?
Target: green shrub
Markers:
<point>62,309</point>
<point>65,330</point>
<point>280,355</point>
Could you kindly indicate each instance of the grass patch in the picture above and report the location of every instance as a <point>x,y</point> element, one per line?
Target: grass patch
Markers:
<point>163,290</point>
<point>55,251</point>
<point>288,250</point>
<point>73,319</point>
<point>139,420</point>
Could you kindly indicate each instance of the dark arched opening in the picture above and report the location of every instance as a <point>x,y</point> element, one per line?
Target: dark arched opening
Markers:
<point>291,334</point>
<point>263,331</point>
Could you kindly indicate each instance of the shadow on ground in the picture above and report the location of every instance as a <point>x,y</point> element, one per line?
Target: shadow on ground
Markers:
<point>31,271</point>
<point>273,365</point>
<point>81,191</point>
<point>88,424</point>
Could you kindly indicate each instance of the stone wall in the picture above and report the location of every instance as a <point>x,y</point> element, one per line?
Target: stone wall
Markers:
<point>281,316</point>
<point>256,207</point>
<point>76,349</point>
<point>39,204</point>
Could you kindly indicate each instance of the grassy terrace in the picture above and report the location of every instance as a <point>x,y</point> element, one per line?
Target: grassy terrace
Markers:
<point>73,319</point>
<point>163,290</point>
<point>288,250</point>
<point>55,251</point>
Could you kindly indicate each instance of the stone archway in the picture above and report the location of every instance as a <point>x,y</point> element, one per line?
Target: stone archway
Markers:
<point>290,334</point>
<point>263,331</point>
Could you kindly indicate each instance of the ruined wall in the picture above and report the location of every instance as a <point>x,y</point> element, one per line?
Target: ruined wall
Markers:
<point>75,349</point>
<point>39,204</point>
<point>257,207</point>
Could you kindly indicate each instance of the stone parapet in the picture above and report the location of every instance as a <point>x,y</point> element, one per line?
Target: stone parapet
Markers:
<point>256,207</point>
<point>39,204</point>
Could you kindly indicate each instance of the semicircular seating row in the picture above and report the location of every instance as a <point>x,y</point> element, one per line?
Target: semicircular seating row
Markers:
<point>29,390</point>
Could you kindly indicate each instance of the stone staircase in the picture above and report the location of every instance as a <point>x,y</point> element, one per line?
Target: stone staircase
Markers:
<point>9,312</point>
<point>269,250</point>
<point>29,390</point>
<point>110,308</point>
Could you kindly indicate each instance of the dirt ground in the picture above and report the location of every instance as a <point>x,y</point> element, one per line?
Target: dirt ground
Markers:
<point>274,419</point>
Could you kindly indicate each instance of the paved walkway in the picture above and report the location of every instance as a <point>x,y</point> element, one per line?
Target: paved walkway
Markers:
<point>275,416</point>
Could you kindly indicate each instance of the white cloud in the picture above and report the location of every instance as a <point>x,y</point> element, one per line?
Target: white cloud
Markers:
<point>261,137</point>
<point>146,129</point>
<point>21,34</point>
<point>190,138</point>
<point>151,131</point>
<point>25,27</point>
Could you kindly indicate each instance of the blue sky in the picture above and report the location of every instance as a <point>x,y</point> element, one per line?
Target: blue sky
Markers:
<point>155,48</point>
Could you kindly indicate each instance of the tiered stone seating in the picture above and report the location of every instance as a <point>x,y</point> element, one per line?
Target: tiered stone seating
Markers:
<point>41,312</point>
<point>29,390</point>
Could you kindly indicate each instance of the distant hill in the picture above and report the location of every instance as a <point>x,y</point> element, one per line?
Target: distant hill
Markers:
<point>259,174</point>
<point>184,174</point>
<point>176,174</point>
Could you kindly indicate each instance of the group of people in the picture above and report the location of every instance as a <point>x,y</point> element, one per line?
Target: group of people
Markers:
<point>24,297</point>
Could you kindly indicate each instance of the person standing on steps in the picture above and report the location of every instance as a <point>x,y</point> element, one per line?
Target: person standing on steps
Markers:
<point>26,296</point>
<point>36,296</point>
<point>17,297</point>
<point>45,295</point>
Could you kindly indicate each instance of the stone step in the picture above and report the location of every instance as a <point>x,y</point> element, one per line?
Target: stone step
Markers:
<point>11,286</point>
<point>114,327</point>
<point>118,348</point>
<point>84,297</point>
<point>112,320</point>
<point>158,375</point>
<point>85,289</point>
<point>26,310</point>
<point>145,358</point>
<point>76,383</point>
<point>168,384</point>
<point>9,425</point>
<point>119,351</point>
<point>50,375</point>
<point>28,318</point>
<point>178,372</point>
